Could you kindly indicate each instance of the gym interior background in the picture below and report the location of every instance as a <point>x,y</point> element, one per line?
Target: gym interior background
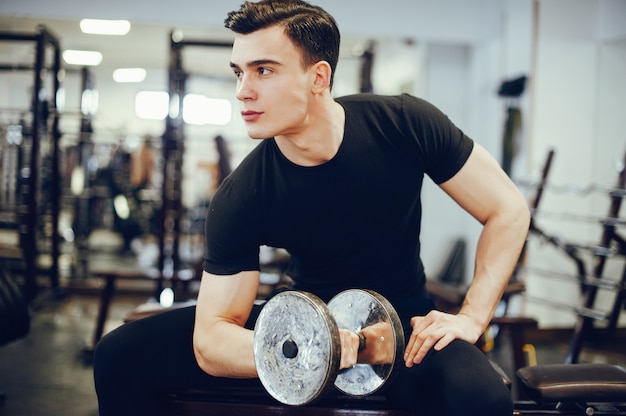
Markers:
<point>103,183</point>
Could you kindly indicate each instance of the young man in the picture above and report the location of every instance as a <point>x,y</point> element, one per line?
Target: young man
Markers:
<point>337,183</point>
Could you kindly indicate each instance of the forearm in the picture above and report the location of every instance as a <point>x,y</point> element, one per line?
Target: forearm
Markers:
<point>497,252</point>
<point>231,356</point>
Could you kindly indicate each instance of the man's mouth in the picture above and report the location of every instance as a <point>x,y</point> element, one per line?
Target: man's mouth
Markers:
<point>249,115</point>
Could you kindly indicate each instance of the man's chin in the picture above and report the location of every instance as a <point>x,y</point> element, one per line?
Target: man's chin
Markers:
<point>257,135</point>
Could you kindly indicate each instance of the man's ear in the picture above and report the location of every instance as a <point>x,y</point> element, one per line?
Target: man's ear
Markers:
<point>322,73</point>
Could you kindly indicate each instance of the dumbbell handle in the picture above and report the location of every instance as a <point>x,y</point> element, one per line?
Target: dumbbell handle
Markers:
<point>362,341</point>
<point>290,349</point>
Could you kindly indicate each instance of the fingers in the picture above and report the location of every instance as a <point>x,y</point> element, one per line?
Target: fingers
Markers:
<point>435,330</point>
<point>419,343</point>
<point>349,348</point>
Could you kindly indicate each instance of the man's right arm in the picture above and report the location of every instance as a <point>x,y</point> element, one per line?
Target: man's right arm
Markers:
<point>222,346</point>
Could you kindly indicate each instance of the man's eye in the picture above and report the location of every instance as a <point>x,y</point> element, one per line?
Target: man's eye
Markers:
<point>264,71</point>
<point>237,74</point>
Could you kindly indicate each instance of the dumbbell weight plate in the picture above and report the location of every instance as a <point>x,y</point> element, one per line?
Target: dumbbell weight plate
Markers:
<point>297,348</point>
<point>356,309</point>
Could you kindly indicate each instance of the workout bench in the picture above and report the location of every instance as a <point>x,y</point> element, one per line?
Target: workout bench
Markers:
<point>555,389</point>
<point>559,389</point>
<point>255,401</point>
<point>573,389</point>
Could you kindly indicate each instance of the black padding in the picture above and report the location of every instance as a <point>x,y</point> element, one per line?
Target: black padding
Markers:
<point>553,383</point>
<point>14,314</point>
<point>505,379</point>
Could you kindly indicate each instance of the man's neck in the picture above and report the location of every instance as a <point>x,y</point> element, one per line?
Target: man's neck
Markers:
<point>319,141</point>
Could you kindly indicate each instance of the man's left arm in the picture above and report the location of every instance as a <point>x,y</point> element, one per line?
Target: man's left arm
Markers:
<point>484,190</point>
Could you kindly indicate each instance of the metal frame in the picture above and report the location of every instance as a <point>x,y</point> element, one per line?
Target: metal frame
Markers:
<point>41,110</point>
<point>173,151</point>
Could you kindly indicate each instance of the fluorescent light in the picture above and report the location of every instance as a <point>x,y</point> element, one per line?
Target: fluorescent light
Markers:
<point>152,105</point>
<point>77,180</point>
<point>129,74</point>
<point>83,58</point>
<point>89,102</point>
<point>201,110</point>
<point>60,103</point>
<point>197,109</point>
<point>174,106</point>
<point>166,298</point>
<point>120,204</point>
<point>105,27</point>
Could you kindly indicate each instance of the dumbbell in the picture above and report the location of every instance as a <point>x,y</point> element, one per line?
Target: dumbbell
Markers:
<point>297,348</point>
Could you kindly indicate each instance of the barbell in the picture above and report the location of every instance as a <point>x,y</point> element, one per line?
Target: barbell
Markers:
<point>297,348</point>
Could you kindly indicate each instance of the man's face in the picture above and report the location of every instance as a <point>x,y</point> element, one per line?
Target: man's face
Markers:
<point>272,86</point>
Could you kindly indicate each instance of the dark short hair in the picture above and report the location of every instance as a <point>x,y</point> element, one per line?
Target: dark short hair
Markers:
<point>310,28</point>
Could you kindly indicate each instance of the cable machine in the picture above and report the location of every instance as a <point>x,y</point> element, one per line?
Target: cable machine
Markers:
<point>173,151</point>
<point>44,125</point>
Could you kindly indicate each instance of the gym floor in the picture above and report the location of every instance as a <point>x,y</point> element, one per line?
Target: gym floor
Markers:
<point>47,373</point>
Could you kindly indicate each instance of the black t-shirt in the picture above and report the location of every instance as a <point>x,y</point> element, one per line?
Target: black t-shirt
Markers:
<point>352,222</point>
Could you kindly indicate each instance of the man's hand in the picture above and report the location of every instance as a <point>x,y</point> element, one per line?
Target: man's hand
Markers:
<point>437,330</point>
<point>380,344</point>
<point>349,348</point>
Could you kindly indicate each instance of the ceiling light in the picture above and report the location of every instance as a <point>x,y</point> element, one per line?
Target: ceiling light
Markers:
<point>88,58</point>
<point>151,105</point>
<point>129,74</point>
<point>105,27</point>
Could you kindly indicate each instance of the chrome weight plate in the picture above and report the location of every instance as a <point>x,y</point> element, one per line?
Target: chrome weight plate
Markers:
<point>355,310</point>
<point>297,349</point>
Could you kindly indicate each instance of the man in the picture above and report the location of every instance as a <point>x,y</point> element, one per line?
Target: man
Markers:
<point>336,183</point>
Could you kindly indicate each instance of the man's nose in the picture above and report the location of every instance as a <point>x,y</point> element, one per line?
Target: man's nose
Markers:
<point>244,89</point>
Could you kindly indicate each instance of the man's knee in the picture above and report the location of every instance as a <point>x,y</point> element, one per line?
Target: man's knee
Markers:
<point>113,356</point>
<point>459,380</point>
<point>475,387</point>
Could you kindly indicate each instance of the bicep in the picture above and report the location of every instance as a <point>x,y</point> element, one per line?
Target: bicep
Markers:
<point>226,298</point>
<point>481,187</point>
<point>222,346</point>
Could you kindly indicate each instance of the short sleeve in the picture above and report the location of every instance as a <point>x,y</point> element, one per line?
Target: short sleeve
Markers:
<point>444,148</point>
<point>230,233</point>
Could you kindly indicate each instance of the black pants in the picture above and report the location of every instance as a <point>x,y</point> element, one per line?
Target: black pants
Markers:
<point>138,360</point>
